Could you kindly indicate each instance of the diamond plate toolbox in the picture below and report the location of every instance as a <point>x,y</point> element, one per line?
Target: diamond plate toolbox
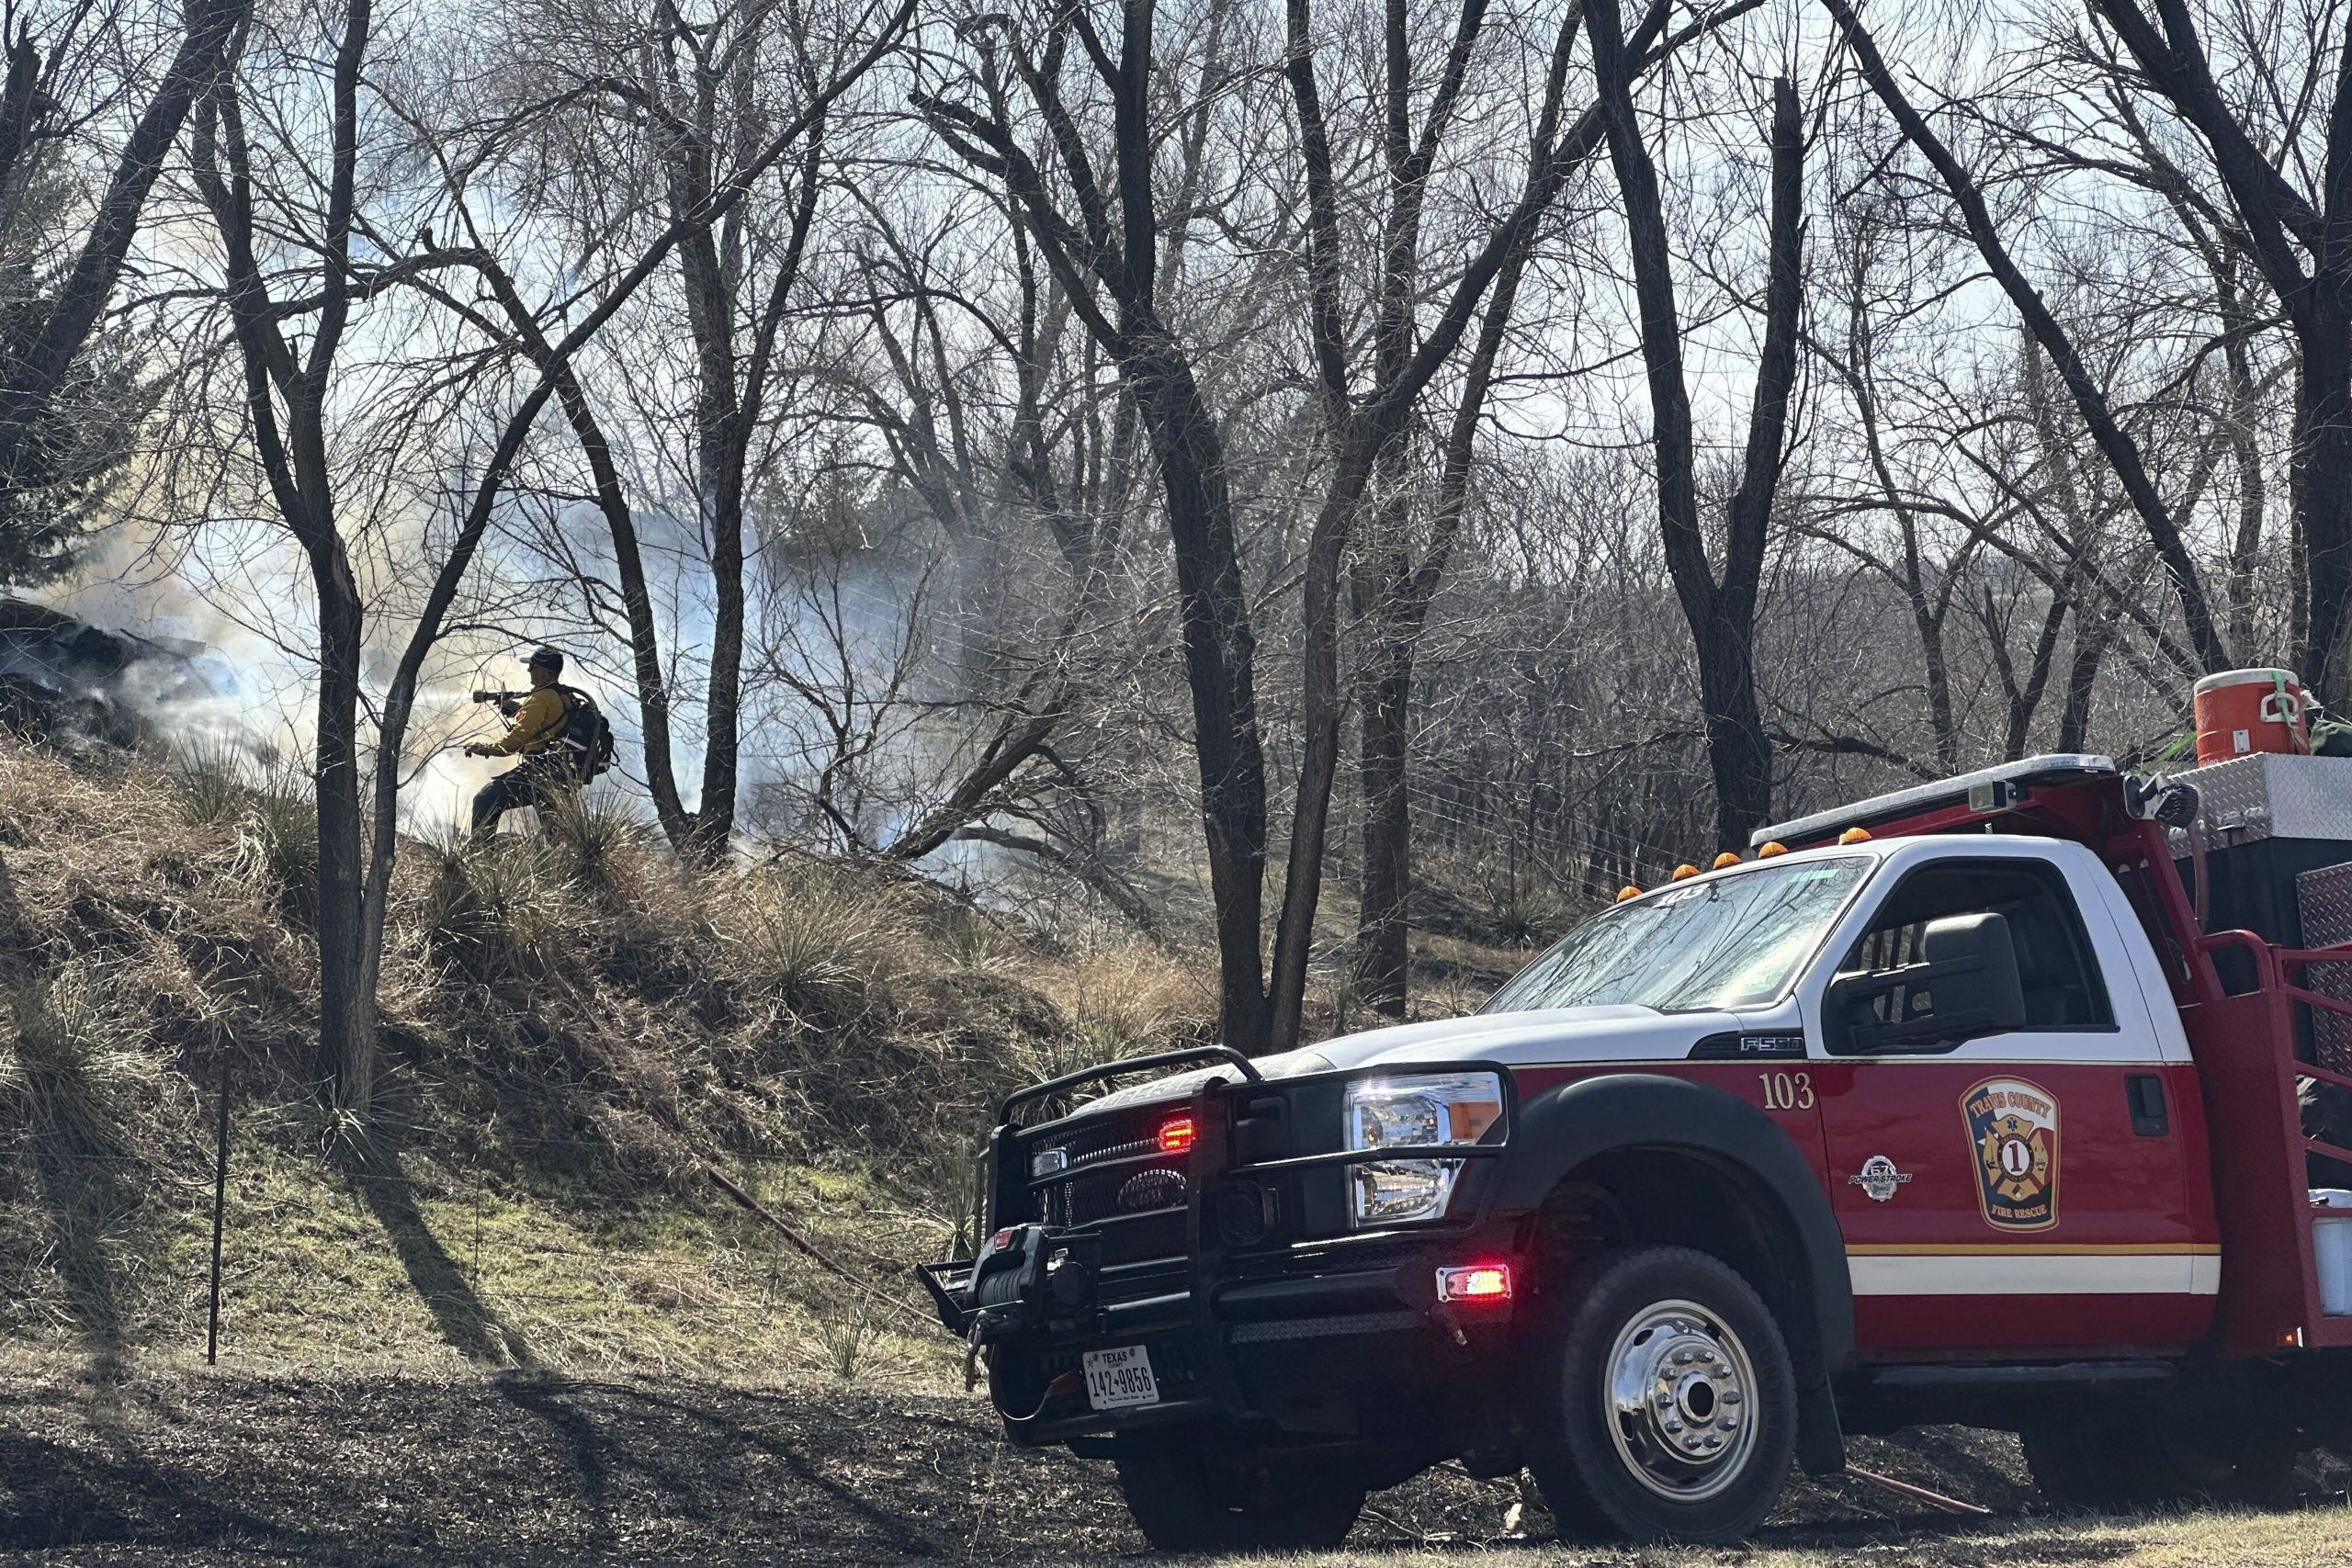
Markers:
<point>2270,795</point>
<point>2324,898</point>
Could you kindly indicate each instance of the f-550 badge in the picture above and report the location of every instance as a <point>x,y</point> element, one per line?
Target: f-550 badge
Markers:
<point>2013,1125</point>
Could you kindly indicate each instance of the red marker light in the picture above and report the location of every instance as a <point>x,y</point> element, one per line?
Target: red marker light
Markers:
<point>1178,1135</point>
<point>1478,1283</point>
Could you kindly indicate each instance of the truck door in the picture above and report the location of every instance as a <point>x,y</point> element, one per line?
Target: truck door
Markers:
<point>2027,1190</point>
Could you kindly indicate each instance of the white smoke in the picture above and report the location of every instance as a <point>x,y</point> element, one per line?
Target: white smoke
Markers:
<point>239,684</point>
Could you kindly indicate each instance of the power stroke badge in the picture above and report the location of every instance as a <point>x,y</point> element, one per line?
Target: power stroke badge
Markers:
<point>1879,1178</point>
<point>2013,1127</point>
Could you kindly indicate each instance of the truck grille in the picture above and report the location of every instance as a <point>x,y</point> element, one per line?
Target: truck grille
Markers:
<point>1093,1189</point>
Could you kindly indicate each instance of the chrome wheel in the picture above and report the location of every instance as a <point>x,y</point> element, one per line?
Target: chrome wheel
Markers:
<point>1679,1400</point>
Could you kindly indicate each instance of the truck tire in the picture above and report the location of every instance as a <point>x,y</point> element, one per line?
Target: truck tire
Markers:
<point>2126,1462</point>
<point>1204,1488</point>
<point>1664,1403</point>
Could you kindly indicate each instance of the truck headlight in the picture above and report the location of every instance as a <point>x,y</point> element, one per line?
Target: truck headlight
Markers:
<point>1419,1111</point>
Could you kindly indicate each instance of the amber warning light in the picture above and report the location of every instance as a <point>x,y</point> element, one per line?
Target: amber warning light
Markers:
<point>1176,1136</point>
<point>1476,1282</point>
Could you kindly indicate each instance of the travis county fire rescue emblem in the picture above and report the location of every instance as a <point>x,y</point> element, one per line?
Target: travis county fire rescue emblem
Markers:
<point>2013,1126</point>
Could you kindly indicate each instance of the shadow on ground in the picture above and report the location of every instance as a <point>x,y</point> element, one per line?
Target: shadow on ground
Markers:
<point>523,1467</point>
<point>520,1468</point>
<point>469,1325</point>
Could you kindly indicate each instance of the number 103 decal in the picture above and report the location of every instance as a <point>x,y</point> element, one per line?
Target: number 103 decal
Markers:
<point>1787,1091</point>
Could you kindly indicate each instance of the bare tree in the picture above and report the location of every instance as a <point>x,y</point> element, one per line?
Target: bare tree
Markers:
<point>1101,237</point>
<point>1721,610</point>
<point>2121,452</point>
<point>289,383</point>
<point>1104,249</point>
<point>1395,585</point>
<point>2296,239</point>
<point>994,413</point>
<point>41,339</point>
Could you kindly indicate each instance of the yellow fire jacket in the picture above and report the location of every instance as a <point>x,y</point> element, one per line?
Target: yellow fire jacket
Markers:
<point>536,724</point>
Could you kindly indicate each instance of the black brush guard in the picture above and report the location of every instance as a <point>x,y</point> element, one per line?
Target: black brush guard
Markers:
<point>1266,1253</point>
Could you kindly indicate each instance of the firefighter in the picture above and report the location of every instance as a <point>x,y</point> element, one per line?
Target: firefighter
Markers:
<point>535,724</point>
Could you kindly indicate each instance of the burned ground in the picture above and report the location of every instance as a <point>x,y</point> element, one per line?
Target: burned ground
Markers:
<point>350,1467</point>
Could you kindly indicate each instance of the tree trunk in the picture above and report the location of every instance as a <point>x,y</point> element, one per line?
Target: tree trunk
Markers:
<point>1360,442</point>
<point>722,710</point>
<point>347,996</point>
<point>637,603</point>
<point>1929,627</point>
<point>36,363</point>
<point>1382,924</point>
<point>2322,447</point>
<point>629,556</point>
<point>1720,612</point>
<point>1220,652</point>
<point>1739,754</point>
<point>2025,700</point>
<point>293,455</point>
<point>2092,636</point>
<point>22,107</point>
<point>2246,456</point>
<point>720,444</point>
<point>728,392</point>
<point>1395,615</point>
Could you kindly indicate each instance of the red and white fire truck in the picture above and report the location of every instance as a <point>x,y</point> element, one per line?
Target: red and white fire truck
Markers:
<point>1981,1102</point>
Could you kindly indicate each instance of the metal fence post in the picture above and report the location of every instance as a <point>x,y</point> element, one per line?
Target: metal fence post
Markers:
<point>219,1201</point>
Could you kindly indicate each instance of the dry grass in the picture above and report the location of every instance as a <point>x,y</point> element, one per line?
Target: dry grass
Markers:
<point>574,1027</point>
<point>820,940</point>
<point>441,1269</point>
<point>2312,1537</point>
<point>1122,998</point>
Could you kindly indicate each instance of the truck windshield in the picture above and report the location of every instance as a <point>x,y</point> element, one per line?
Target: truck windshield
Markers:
<point>1724,942</point>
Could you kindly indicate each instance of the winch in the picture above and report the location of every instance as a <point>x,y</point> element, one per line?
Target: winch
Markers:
<point>1031,1277</point>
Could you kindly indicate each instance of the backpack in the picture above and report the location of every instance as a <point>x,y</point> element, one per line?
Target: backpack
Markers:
<point>587,737</point>
<point>2331,737</point>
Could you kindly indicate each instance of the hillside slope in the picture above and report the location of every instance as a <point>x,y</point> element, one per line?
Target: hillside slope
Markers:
<point>578,1035</point>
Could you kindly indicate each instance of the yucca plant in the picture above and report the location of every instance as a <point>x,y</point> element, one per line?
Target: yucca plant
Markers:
<point>497,908</point>
<point>1525,915</point>
<point>967,939</point>
<point>209,779</point>
<point>593,833</point>
<point>71,1076</point>
<point>277,832</point>
<point>845,1333</point>
<point>820,939</point>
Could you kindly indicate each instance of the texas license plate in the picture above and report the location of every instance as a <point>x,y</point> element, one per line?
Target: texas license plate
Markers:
<point>1116,1378</point>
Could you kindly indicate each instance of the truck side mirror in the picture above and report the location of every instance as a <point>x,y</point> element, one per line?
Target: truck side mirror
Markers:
<point>1973,973</point>
<point>1968,978</point>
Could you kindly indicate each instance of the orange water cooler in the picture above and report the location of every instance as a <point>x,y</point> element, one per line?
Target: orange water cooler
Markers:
<point>2243,711</point>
